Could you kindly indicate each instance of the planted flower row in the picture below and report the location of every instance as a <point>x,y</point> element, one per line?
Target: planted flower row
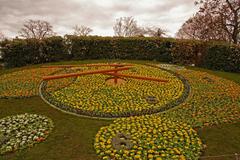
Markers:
<point>212,100</point>
<point>22,83</point>
<point>23,131</point>
<point>147,137</point>
<point>25,83</point>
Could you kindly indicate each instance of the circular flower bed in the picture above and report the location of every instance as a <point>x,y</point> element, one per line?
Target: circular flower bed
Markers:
<point>147,137</point>
<point>90,95</point>
<point>22,131</point>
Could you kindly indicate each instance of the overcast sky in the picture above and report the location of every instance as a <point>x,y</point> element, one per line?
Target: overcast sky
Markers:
<point>100,15</point>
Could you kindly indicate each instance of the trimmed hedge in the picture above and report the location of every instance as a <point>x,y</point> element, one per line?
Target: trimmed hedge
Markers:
<point>212,55</point>
<point>222,57</point>
<point>54,49</point>
<point>19,52</point>
<point>120,48</point>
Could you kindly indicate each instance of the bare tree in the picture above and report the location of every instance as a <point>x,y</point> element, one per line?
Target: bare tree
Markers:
<point>37,29</point>
<point>154,31</point>
<point>81,30</point>
<point>202,27</point>
<point>227,13</point>
<point>127,27</point>
<point>188,29</point>
<point>2,37</point>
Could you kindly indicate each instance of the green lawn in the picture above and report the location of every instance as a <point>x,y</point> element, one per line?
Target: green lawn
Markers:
<point>221,140</point>
<point>73,137</point>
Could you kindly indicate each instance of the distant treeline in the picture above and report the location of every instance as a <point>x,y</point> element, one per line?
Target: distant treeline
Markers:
<point>211,55</point>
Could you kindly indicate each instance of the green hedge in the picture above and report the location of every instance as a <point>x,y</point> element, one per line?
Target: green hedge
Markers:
<point>120,48</point>
<point>19,52</point>
<point>222,57</point>
<point>212,55</point>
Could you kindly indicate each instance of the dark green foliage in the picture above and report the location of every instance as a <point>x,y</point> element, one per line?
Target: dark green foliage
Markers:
<point>212,55</point>
<point>19,52</point>
<point>54,49</point>
<point>188,52</point>
<point>222,57</point>
<point>120,48</point>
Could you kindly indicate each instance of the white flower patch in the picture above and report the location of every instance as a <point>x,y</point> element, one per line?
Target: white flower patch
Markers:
<point>22,131</point>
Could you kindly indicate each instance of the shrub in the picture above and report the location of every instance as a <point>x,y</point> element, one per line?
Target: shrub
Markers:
<point>120,48</point>
<point>222,57</point>
<point>188,52</point>
<point>212,55</point>
<point>54,49</point>
<point>20,52</point>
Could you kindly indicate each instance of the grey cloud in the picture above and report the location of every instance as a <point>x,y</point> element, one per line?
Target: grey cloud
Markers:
<point>98,14</point>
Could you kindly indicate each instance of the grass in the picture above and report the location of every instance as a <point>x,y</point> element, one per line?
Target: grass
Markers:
<point>221,140</point>
<point>73,137</point>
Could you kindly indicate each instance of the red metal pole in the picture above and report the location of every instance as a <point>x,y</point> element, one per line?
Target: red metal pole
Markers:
<point>115,78</point>
<point>84,73</point>
<point>87,65</point>
<point>137,77</point>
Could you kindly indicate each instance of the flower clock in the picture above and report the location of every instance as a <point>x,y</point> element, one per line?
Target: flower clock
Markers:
<point>155,107</point>
<point>101,95</point>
